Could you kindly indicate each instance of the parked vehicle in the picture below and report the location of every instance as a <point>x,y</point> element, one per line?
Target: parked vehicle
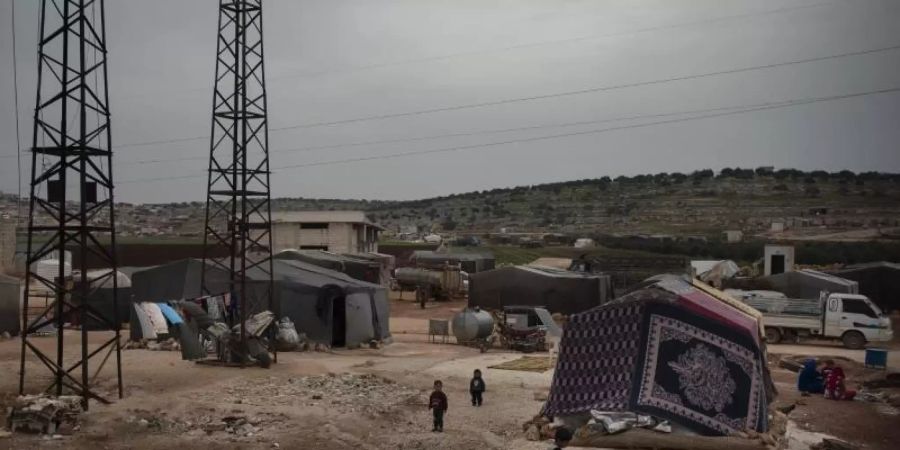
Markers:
<point>525,328</point>
<point>431,283</point>
<point>852,318</point>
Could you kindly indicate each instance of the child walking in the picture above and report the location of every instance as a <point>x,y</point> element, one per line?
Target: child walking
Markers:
<point>438,405</point>
<point>476,388</point>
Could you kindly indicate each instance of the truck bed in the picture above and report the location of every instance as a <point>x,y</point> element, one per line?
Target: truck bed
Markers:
<point>804,322</point>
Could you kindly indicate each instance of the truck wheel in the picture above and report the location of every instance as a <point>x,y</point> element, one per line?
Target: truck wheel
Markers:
<point>854,340</point>
<point>773,336</point>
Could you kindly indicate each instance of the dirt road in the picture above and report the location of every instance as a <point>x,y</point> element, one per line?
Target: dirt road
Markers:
<point>364,398</point>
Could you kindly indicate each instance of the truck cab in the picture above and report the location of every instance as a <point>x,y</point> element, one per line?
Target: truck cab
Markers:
<point>854,319</point>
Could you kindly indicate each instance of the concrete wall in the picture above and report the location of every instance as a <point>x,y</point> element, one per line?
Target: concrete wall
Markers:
<point>337,238</point>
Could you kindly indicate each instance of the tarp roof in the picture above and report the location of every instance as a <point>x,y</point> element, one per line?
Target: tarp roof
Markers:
<point>870,265</point>
<point>557,290</point>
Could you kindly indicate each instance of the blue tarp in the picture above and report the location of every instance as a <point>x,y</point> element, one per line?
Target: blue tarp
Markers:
<point>171,315</point>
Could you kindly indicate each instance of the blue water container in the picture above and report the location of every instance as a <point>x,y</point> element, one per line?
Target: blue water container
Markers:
<point>876,357</point>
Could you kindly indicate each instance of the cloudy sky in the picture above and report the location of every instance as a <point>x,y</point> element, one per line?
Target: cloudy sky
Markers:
<point>338,60</point>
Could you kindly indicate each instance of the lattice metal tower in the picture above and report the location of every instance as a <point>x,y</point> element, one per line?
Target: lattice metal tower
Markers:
<point>238,217</point>
<point>71,196</point>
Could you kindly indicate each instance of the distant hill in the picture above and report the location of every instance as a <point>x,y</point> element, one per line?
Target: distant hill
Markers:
<point>834,206</point>
<point>701,203</point>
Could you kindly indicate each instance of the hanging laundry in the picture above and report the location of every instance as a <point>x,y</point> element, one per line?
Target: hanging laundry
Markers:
<point>156,318</point>
<point>143,329</point>
<point>170,314</point>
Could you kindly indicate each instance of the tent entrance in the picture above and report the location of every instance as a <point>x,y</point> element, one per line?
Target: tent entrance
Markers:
<point>777,264</point>
<point>339,321</point>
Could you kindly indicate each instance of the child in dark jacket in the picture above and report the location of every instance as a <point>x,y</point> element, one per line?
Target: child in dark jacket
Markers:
<point>438,405</point>
<point>476,388</point>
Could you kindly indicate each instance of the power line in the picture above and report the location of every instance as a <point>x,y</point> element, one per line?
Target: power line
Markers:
<point>591,90</point>
<point>471,133</point>
<point>556,41</point>
<point>427,59</point>
<point>580,133</point>
<point>545,96</point>
<point>562,135</point>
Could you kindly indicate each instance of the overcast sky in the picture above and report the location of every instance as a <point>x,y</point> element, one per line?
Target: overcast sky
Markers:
<point>333,60</point>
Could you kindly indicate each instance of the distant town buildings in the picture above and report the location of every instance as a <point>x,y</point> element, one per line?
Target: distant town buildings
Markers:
<point>333,231</point>
<point>733,236</point>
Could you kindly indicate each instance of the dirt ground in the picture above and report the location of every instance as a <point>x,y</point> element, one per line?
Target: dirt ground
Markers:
<point>363,398</point>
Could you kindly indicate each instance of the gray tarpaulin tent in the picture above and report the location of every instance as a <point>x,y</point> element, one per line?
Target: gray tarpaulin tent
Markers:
<point>469,262</point>
<point>358,268</point>
<point>557,290</point>
<point>101,298</point>
<point>386,265</point>
<point>880,281</point>
<point>10,301</point>
<point>809,283</point>
<point>329,306</point>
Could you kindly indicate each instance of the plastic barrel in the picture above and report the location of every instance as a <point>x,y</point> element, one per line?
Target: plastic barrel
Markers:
<point>876,357</point>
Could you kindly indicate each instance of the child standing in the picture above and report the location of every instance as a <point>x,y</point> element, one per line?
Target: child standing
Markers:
<point>438,405</point>
<point>476,388</point>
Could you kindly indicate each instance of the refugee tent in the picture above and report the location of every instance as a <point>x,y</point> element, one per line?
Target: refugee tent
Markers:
<point>880,281</point>
<point>714,272</point>
<point>808,283</point>
<point>468,262</point>
<point>175,281</point>
<point>10,305</point>
<point>330,307</point>
<point>358,268</point>
<point>675,349</point>
<point>101,298</point>
<point>386,264</point>
<point>559,291</point>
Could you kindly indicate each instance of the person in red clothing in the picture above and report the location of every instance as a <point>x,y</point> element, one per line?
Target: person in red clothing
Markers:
<point>835,389</point>
<point>438,405</point>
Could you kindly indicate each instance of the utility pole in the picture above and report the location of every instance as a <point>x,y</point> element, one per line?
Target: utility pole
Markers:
<point>238,216</point>
<point>71,202</point>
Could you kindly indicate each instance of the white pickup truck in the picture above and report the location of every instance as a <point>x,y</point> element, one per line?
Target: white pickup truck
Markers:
<point>852,318</point>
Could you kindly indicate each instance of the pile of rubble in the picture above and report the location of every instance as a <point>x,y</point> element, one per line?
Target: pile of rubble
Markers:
<point>44,414</point>
<point>237,426</point>
<point>167,345</point>
<point>609,431</point>
<point>366,393</point>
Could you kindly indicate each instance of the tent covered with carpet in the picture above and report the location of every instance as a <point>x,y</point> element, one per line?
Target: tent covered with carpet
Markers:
<point>673,348</point>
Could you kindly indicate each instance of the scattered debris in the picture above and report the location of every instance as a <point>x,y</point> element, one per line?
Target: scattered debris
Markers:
<point>5,336</point>
<point>44,414</point>
<point>206,424</point>
<point>367,393</point>
<point>833,444</point>
<point>166,345</point>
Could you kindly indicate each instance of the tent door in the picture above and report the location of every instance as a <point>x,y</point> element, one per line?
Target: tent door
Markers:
<point>777,264</point>
<point>339,322</point>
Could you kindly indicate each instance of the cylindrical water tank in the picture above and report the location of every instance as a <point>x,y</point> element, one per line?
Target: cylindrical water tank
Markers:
<point>470,324</point>
<point>421,277</point>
